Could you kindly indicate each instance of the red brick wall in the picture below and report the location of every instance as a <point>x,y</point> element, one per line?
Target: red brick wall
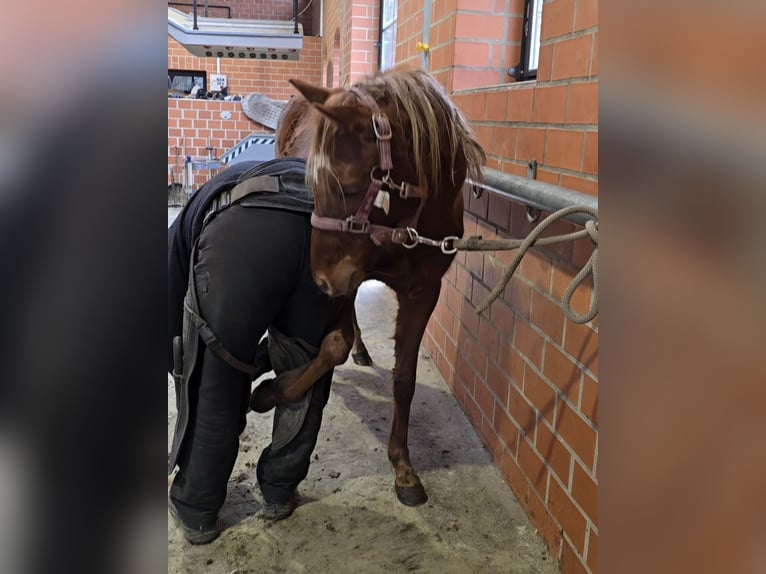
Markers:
<point>364,33</point>
<point>199,120</point>
<point>409,31</point>
<point>245,76</point>
<point>355,24</point>
<point>336,43</point>
<point>271,10</point>
<point>526,376</point>
<point>197,124</point>
<point>553,122</point>
<point>472,42</point>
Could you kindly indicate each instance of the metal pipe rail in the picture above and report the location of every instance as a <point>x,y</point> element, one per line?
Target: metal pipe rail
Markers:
<point>537,194</point>
<point>217,6</point>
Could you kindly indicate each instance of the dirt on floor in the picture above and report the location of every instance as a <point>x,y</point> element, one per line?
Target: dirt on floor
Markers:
<point>348,519</point>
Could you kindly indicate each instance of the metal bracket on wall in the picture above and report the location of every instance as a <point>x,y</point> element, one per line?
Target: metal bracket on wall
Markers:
<point>532,169</point>
<point>533,214</point>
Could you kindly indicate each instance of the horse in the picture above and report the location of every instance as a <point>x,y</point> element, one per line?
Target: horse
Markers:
<point>387,159</point>
<point>293,139</point>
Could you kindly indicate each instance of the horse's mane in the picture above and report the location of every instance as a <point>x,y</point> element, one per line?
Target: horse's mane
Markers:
<point>288,129</point>
<point>437,129</point>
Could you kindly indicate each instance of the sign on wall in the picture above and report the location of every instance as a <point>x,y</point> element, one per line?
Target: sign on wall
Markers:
<point>217,82</point>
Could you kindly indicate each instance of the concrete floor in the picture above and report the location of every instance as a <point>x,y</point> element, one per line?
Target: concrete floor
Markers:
<point>348,518</point>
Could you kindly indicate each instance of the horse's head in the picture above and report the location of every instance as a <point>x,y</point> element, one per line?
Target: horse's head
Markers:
<point>381,152</point>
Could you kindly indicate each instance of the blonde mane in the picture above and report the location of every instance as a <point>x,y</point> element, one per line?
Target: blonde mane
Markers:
<point>436,127</point>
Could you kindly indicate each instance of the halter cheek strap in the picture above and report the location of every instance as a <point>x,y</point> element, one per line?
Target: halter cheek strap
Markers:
<point>359,222</point>
<point>382,128</point>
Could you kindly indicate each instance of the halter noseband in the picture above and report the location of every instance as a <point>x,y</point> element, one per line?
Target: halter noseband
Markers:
<point>360,221</point>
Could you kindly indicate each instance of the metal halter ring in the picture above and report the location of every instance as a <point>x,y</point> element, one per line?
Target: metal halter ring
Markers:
<point>414,237</point>
<point>372,174</point>
<point>380,125</point>
<point>449,240</point>
<point>391,184</point>
<point>386,179</point>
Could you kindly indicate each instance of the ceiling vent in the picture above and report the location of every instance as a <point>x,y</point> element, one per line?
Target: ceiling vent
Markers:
<point>236,38</point>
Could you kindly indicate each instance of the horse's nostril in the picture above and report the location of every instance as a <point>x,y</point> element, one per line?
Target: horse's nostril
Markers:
<point>324,286</point>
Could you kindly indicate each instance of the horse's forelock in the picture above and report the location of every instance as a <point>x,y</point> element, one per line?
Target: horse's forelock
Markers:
<point>434,122</point>
<point>320,175</point>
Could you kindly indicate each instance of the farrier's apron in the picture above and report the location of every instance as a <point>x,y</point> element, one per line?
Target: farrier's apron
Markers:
<point>275,184</point>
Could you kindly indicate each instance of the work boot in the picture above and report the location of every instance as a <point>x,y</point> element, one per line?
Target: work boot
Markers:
<point>278,510</point>
<point>198,533</point>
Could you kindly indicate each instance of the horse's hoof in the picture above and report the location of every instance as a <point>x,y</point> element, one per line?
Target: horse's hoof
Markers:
<point>411,495</point>
<point>260,399</point>
<point>362,358</point>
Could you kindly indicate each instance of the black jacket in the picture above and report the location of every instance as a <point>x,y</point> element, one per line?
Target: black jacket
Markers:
<point>187,227</point>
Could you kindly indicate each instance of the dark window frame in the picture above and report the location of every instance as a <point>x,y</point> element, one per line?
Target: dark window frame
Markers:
<point>523,70</point>
<point>188,74</point>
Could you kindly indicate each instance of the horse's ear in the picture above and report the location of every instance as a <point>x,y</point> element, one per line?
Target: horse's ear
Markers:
<point>344,116</point>
<point>314,94</point>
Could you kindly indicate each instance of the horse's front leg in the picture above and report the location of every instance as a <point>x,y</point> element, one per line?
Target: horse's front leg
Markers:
<point>411,321</point>
<point>291,385</point>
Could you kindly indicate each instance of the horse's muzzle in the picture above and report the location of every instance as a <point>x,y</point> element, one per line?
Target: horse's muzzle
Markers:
<point>339,284</point>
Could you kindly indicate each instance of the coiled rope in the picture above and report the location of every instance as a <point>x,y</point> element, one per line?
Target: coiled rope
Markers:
<point>534,240</point>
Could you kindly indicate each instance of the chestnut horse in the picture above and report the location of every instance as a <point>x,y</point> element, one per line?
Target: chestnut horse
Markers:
<point>386,162</point>
<point>295,129</point>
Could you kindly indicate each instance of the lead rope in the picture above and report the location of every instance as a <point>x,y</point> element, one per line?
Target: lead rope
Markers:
<point>452,244</point>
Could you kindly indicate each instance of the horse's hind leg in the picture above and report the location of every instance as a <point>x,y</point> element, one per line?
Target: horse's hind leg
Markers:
<point>359,352</point>
<point>411,322</point>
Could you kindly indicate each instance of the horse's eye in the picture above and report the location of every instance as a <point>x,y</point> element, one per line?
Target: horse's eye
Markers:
<point>368,137</point>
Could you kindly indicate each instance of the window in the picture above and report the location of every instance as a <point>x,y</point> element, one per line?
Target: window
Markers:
<point>182,81</point>
<point>387,34</point>
<point>530,41</point>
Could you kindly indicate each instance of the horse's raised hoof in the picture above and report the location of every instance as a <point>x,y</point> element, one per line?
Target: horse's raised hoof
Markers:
<point>262,397</point>
<point>362,358</point>
<point>411,495</point>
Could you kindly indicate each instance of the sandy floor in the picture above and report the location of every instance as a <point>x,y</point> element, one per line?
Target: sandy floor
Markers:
<point>348,519</point>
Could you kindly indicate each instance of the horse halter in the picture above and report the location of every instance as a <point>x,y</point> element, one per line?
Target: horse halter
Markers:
<point>360,222</point>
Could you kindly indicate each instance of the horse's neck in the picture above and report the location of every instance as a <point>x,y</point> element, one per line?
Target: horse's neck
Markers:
<point>443,213</point>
